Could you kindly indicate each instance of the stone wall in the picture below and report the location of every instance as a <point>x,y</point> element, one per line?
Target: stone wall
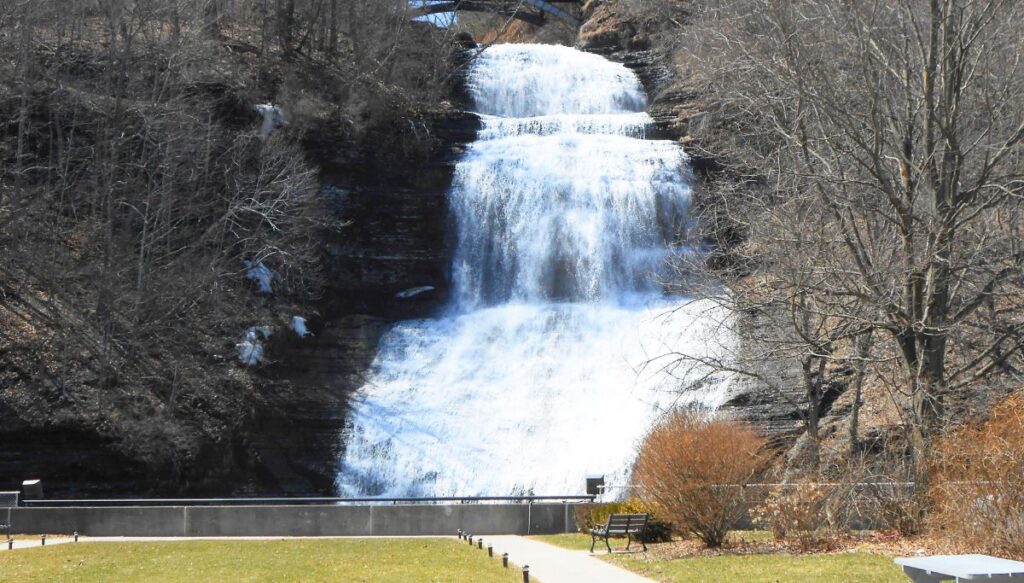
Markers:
<point>376,520</point>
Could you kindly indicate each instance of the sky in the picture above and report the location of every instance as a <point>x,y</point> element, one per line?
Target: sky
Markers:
<point>444,19</point>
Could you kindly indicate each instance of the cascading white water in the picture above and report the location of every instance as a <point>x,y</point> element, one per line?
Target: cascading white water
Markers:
<point>536,376</point>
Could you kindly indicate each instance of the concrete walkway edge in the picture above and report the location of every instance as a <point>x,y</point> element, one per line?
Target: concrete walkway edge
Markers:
<point>551,564</point>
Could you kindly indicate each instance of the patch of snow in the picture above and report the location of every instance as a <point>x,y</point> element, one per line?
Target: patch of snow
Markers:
<point>273,118</point>
<point>261,274</point>
<point>250,349</point>
<point>299,326</point>
<point>413,292</point>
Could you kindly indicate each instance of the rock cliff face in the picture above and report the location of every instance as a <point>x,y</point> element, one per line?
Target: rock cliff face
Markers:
<point>389,263</point>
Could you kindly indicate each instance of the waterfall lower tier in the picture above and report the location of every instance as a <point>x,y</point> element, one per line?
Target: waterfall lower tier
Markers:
<point>515,399</point>
<point>555,355</point>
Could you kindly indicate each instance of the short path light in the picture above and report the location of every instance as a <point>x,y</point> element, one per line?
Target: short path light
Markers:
<point>490,550</point>
<point>504,560</point>
<point>526,574</point>
<point>42,541</point>
<point>460,534</point>
<point>76,536</point>
<point>470,539</point>
<point>480,543</point>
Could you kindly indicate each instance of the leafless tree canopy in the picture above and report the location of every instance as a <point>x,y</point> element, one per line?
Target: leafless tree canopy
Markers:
<point>874,154</point>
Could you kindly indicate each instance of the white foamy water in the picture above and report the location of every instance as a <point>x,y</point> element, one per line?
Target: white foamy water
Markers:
<point>536,377</point>
<point>634,125</point>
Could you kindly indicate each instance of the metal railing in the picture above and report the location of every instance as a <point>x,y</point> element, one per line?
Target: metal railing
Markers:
<point>288,501</point>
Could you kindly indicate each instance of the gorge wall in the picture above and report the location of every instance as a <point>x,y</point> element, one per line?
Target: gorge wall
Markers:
<point>175,411</point>
<point>389,263</point>
<point>274,429</point>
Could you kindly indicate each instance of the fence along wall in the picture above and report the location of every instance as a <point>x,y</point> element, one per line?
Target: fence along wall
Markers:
<point>390,520</point>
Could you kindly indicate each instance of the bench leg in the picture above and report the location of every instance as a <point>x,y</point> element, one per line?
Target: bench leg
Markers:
<point>920,576</point>
<point>608,545</point>
<point>629,541</point>
<point>593,541</point>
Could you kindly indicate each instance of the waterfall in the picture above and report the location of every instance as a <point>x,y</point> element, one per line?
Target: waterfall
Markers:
<point>535,377</point>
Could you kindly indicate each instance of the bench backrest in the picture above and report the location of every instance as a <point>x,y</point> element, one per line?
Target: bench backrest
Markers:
<point>627,523</point>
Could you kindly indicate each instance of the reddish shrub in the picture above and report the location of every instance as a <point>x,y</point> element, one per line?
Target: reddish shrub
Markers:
<point>978,483</point>
<point>691,470</point>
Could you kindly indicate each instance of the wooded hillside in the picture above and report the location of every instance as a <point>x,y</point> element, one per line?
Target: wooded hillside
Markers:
<point>160,157</point>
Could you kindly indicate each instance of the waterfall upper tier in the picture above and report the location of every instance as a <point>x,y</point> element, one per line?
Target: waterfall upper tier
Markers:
<point>538,80</point>
<point>564,221</point>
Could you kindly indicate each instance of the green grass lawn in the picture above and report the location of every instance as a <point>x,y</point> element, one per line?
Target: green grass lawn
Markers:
<point>576,542</point>
<point>764,568</point>
<point>834,568</point>
<point>372,560</point>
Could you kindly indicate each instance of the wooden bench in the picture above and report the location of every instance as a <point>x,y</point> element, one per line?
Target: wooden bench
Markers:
<point>8,501</point>
<point>631,526</point>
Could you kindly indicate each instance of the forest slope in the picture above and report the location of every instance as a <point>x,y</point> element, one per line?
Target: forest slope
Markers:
<point>173,195</point>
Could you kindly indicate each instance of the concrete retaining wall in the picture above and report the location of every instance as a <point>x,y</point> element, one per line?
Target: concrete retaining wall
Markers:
<point>391,520</point>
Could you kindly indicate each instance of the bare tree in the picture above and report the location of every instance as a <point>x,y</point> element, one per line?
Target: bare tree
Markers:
<point>892,132</point>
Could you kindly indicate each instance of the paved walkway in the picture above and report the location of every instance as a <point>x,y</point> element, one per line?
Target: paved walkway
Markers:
<point>28,541</point>
<point>552,564</point>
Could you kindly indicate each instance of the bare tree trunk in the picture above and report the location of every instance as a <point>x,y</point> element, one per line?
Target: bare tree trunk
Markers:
<point>286,25</point>
<point>863,344</point>
<point>332,36</point>
<point>24,74</point>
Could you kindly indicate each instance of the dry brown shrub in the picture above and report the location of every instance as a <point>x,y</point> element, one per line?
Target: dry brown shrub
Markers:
<point>978,484</point>
<point>798,512</point>
<point>691,469</point>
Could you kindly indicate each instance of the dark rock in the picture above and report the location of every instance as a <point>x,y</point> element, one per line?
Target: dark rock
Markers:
<point>387,182</point>
<point>465,40</point>
<point>297,443</point>
<point>395,240</point>
<point>71,462</point>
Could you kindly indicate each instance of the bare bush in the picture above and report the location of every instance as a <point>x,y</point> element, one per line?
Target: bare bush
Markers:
<point>691,469</point>
<point>978,490</point>
<point>798,512</point>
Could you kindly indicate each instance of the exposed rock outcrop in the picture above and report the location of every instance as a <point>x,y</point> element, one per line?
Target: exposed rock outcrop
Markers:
<point>124,421</point>
<point>390,262</point>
